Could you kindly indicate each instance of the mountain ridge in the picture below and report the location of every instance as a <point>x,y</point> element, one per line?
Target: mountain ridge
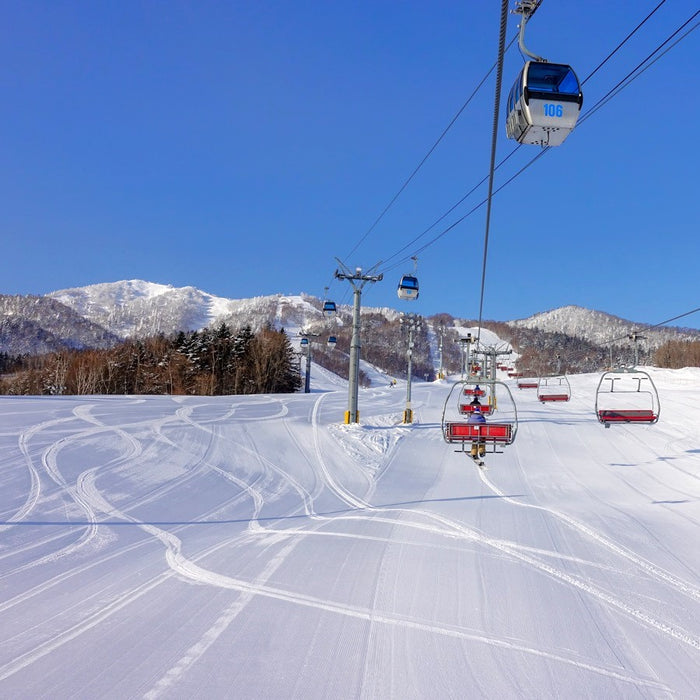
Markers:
<point>105,313</point>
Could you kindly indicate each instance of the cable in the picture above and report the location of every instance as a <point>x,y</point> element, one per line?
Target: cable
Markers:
<point>427,155</point>
<point>656,325</point>
<point>622,43</point>
<point>627,80</point>
<point>494,142</point>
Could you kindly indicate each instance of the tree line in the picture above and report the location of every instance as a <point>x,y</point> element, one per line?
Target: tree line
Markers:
<point>209,362</point>
<point>677,354</point>
<point>219,362</point>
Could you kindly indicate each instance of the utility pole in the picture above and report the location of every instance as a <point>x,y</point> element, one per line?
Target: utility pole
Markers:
<point>465,342</point>
<point>411,322</point>
<point>306,348</point>
<point>635,337</point>
<point>441,337</point>
<point>357,281</point>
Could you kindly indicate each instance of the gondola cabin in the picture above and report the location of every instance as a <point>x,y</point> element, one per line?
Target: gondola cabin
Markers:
<point>332,340</point>
<point>543,104</point>
<point>329,309</point>
<point>408,288</point>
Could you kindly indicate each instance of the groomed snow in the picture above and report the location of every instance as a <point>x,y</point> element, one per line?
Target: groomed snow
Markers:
<point>257,547</point>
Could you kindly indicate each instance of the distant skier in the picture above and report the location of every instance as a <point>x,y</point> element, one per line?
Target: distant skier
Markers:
<point>478,445</point>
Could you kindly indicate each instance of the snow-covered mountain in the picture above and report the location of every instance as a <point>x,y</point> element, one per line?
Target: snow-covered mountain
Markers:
<point>135,308</point>
<point>100,315</point>
<point>600,328</point>
<point>34,325</point>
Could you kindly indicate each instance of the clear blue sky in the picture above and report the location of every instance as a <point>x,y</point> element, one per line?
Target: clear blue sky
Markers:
<point>240,147</point>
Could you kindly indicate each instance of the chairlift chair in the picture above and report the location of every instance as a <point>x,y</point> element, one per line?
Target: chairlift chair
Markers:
<point>553,389</point>
<point>493,434</point>
<point>473,397</point>
<point>627,395</point>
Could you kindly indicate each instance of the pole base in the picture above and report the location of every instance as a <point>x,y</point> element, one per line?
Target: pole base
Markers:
<point>408,415</point>
<point>351,417</point>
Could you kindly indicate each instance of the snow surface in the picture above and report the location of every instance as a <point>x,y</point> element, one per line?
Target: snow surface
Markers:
<point>257,547</point>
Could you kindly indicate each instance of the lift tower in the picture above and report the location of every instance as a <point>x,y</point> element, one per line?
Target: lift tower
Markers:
<point>358,280</point>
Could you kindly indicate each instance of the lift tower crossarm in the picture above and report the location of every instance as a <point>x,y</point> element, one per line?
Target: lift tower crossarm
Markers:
<point>491,356</point>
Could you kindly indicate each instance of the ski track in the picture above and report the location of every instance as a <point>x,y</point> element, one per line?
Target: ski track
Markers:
<point>648,567</point>
<point>35,484</point>
<point>90,500</point>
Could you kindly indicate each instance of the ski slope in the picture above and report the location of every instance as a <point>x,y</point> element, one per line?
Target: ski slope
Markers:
<point>256,547</point>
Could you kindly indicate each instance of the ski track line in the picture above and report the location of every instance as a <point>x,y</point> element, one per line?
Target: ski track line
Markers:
<point>455,529</point>
<point>513,550</point>
<point>283,411</point>
<point>675,632</point>
<point>315,492</point>
<point>35,483</point>
<point>14,551</point>
<point>90,494</point>
<point>647,566</point>
<point>447,533</point>
<point>621,478</point>
<point>342,493</point>
<point>93,493</point>
<point>87,490</point>
<point>158,493</point>
<point>30,657</point>
<point>183,566</point>
<point>85,625</point>
<point>190,570</point>
<point>50,462</point>
<point>180,565</point>
<point>265,463</point>
<point>197,650</point>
